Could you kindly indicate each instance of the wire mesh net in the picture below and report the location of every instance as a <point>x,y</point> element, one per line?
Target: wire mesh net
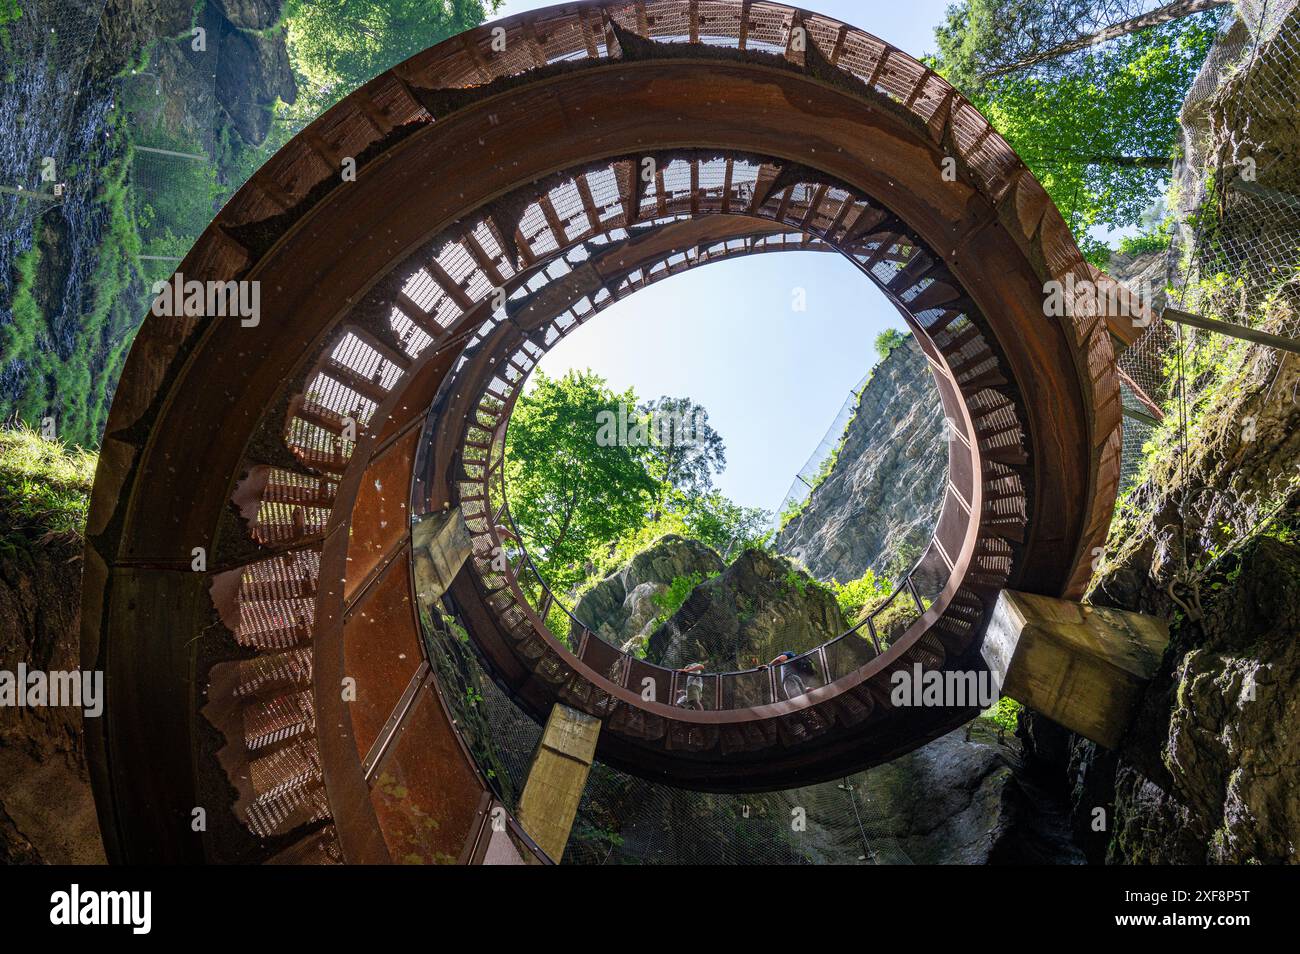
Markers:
<point>1239,179</point>
<point>814,468</point>
<point>625,819</point>
<point>1235,214</point>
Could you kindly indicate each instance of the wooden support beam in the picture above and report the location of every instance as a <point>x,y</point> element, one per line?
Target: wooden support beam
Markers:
<point>880,65</point>
<point>588,36</point>
<point>839,44</point>
<point>471,47</point>
<point>558,228</point>
<point>1082,666</point>
<point>440,545</point>
<point>536,44</point>
<point>792,25</point>
<point>557,778</point>
<point>784,205</point>
<point>629,193</point>
<point>1144,418</point>
<point>588,203</point>
<point>369,109</point>
<point>815,205</point>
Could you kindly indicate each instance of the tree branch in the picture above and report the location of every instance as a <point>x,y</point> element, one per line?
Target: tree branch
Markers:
<point>1166,14</point>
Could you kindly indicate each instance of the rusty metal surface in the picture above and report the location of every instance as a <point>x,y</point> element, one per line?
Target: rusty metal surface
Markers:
<point>231,438</point>
<point>756,753</point>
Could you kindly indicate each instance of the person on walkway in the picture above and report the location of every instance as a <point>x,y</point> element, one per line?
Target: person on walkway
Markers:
<point>795,669</point>
<point>691,696</point>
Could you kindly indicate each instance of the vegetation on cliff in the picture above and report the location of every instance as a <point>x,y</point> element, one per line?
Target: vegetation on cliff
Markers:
<point>336,47</point>
<point>232,104</point>
<point>44,488</point>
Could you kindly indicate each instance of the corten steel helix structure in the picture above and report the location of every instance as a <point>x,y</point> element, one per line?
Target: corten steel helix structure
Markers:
<point>511,183</point>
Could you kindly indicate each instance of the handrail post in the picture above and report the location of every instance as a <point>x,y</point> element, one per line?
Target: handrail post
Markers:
<point>875,639</point>
<point>916,597</point>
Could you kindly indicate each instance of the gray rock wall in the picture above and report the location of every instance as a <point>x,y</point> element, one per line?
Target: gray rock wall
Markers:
<point>878,506</point>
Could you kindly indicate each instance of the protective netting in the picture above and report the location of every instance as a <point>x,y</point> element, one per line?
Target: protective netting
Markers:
<point>623,819</point>
<point>1235,214</point>
<point>50,40</point>
<point>814,469</point>
<point>186,156</point>
<point>1239,183</point>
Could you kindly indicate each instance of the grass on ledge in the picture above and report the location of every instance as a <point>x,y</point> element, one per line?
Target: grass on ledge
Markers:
<point>44,489</point>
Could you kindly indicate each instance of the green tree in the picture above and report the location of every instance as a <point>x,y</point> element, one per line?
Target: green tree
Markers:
<point>717,520</point>
<point>570,493</point>
<point>1161,15</point>
<point>861,596</point>
<point>685,452</point>
<point>10,11</point>
<point>338,46</point>
<point>1098,125</point>
<point>983,38</point>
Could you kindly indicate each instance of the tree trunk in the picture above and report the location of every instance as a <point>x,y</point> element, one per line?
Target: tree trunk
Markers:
<point>1166,14</point>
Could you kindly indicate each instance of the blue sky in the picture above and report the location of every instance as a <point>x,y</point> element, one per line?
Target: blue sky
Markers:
<point>726,334</point>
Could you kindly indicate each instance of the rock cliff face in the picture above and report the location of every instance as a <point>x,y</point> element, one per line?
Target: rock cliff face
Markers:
<point>621,608</point>
<point>242,68</point>
<point>736,617</point>
<point>759,607</point>
<point>47,812</point>
<point>963,799</point>
<point>1207,773</point>
<point>878,506</point>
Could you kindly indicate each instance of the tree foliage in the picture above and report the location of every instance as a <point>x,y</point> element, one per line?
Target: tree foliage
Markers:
<point>979,36</point>
<point>338,46</point>
<point>859,597</point>
<point>1098,127</point>
<point>585,504</point>
<point>887,341</point>
<point>568,492</point>
<point>685,451</point>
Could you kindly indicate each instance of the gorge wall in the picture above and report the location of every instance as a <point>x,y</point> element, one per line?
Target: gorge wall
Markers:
<point>79,90</point>
<point>1207,773</point>
<point>877,507</point>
